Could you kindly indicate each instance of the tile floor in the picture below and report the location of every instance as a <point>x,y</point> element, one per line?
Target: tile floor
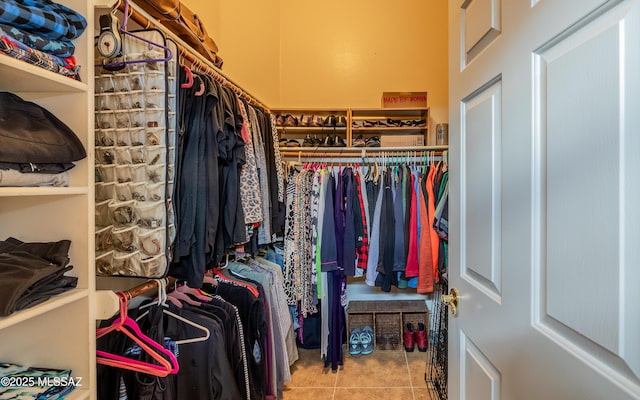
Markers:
<point>388,375</point>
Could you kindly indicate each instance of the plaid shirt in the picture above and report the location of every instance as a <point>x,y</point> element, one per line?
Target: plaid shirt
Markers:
<point>363,250</point>
<point>49,62</point>
<point>43,17</point>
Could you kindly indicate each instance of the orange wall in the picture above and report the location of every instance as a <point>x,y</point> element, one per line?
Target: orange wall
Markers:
<point>332,53</point>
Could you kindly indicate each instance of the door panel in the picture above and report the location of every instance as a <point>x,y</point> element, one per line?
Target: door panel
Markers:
<point>480,138</point>
<point>481,376</point>
<point>481,26</point>
<point>544,199</point>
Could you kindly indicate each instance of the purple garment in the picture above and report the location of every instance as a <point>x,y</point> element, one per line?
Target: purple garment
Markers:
<point>349,239</point>
<point>339,217</point>
<point>328,248</point>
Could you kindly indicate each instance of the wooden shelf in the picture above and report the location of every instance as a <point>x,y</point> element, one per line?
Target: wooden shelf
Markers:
<point>312,128</point>
<point>20,76</point>
<point>42,191</point>
<point>404,129</point>
<point>363,113</point>
<point>51,304</point>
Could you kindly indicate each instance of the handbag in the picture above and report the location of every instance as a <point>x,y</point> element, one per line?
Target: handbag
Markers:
<point>29,133</point>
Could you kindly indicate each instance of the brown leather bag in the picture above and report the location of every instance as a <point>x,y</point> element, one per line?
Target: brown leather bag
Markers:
<point>185,24</point>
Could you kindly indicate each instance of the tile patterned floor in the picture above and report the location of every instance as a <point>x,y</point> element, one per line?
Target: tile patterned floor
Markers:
<point>388,375</point>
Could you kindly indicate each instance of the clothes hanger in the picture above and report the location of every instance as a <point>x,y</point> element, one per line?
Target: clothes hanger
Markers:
<point>162,297</point>
<point>123,30</point>
<point>167,362</point>
<point>226,278</point>
<point>189,82</point>
<point>200,91</point>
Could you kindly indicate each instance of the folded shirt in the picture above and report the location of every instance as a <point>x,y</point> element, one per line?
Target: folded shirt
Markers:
<point>59,48</point>
<point>44,17</point>
<point>13,178</point>
<point>31,273</point>
<point>35,391</point>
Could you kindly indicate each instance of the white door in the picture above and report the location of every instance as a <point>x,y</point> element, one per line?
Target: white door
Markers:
<point>545,199</point>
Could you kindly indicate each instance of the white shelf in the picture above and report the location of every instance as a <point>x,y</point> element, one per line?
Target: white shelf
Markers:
<point>42,191</point>
<point>20,76</point>
<point>51,304</point>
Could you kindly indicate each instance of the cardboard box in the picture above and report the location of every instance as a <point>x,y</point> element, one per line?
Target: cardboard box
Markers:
<point>401,140</point>
<point>404,99</point>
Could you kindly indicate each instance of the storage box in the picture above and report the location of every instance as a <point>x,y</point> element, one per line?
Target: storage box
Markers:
<point>401,140</point>
<point>404,99</point>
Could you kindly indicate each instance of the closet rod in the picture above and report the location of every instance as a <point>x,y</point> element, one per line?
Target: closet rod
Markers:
<point>145,287</point>
<point>360,153</point>
<point>146,21</point>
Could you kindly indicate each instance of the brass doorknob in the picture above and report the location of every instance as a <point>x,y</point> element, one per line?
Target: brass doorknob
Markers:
<point>452,300</point>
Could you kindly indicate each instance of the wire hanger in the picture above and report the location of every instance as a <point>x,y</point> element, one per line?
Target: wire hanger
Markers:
<point>123,30</point>
<point>162,297</point>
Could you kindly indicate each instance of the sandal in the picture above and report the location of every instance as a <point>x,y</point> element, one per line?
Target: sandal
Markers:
<point>366,340</point>
<point>354,342</point>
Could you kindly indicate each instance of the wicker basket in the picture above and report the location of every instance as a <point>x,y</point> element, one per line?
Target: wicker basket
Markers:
<point>388,332</point>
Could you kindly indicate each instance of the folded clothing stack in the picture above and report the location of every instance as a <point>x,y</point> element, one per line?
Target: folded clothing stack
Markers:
<point>31,273</point>
<point>59,382</point>
<point>36,148</point>
<point>41,33</point>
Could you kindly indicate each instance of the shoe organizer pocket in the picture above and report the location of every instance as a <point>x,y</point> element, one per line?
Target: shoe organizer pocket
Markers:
<point>123,101</point>
<point>124,174</point>
<point>102,213</point>
<point>155,191</point>
<point>154,100</point>
<point>138,118</point>
<point>127,264</point>
<point>172,137</point>
<point>151,215</point>
<point>151,66</point>
<point>154,83</point>
<point>156,155</point>
<point>123,214</point>
<point>122,137</point>
<point>154,267</point>
<point>104,84</point>
<point>137,136</point>
<point>139,191</point>
<point>104,241</point>
<point>105,120</point>
<point>172,232</point>
<point>121,83</point>
<point>125,240</point>
<point>136,81</point>
<point>106,102</point>
<point>172,120</point>
<point>138,172</point>
<point>138,64</point>
<point>105,137</point>
<point>170,187</point>
<point>151,242</point>
<point>172,156</point>
<point>106,173</point>
<point>105,155</point>
<point>123,155</point>
<point>154,136</point>
<point>137,100</point>
<point>123,192</point>
<point>104,263</point>
<point>123,119</point>
<point>105,191</point>
<point>139,154</point>
<point>154,117</point>
<point>156,173</point>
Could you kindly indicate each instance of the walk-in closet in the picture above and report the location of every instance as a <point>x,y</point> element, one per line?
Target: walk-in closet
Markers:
<point>243,200</point>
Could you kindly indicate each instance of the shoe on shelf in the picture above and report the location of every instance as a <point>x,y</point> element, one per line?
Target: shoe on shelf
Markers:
<point>373,141</point>
<point>308,141</point>
<point>293,143</point>
<point>330,121</point>
<point>338,141</point>
<point>366,340</point>
<point>280,120</point>
<point>316,120</point>
<point>409,338</point>
<point>359,141</point>
<point>316,141</point>
<point>354,342</point>
<point>422,338</point>
<point>328,141</point>
<point>283,142</point>
<point>290,120</point>
<point>341,121</point>
<point>305,120</point>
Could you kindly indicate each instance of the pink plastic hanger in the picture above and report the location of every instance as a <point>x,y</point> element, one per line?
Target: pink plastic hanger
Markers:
<point>189,82</point>
<point>167,362</point>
